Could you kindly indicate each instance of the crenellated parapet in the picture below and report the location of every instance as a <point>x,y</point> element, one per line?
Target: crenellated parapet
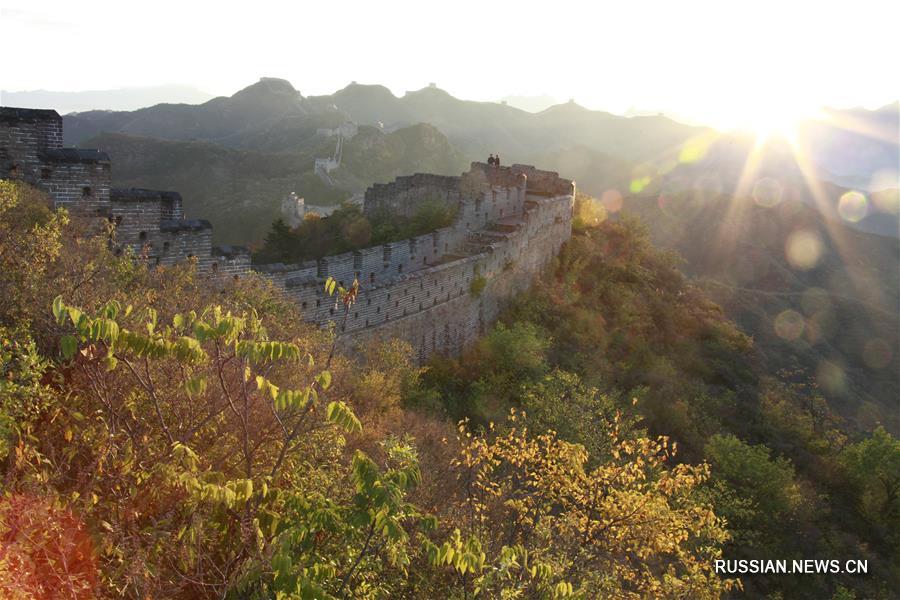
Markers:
<point>510,222</point>
<point>403,195</point>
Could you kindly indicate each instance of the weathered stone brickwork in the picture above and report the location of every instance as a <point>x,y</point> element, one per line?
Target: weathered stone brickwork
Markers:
<point>24,135</point>
<point>509,223</point>
<point>77,179</point>
<point>404,194</point>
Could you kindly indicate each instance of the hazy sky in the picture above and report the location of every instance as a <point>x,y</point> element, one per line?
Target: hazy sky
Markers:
<point>718,62</point>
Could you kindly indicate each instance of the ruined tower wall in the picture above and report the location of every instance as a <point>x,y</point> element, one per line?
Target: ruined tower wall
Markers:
<point>31,150</point>
<point>78,184</point>
<point>149,222</point>
<point>139,213</point>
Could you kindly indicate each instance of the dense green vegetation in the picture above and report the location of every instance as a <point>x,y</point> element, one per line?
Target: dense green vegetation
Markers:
<point>168,438</point>
<point>347,228</point>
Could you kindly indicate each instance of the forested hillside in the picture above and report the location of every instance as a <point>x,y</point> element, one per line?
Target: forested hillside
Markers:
<point>815,294</point>
<point>240,191</point>
<point>165,437</point>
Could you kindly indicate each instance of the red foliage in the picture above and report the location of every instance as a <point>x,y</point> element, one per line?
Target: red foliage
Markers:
<point>45,551</point>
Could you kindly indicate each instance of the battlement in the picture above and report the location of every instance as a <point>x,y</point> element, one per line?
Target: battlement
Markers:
<point>142,195</point>
<point>11,114</point>
<point>541,183</point>
<point>509,223</point>
<point>403,195</point>
<point>230,251</point>
<point>185,225</point>
<point>74,156</point>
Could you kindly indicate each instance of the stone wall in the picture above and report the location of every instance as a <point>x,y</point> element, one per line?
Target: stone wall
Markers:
<point>77,179</point>
<point>403,195</point>
<point>139,213</point>
<point>25,134</point>
<point>232,261</point>
<point>506,230</point>
<point>31,150</point>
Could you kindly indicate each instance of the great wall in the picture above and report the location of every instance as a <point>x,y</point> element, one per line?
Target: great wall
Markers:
<point>438,291</point>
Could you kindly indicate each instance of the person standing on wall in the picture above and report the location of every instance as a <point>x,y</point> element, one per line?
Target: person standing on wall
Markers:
<point>491,160</point>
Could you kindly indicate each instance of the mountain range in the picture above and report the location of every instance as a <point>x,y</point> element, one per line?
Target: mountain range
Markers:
<point>475,128</point>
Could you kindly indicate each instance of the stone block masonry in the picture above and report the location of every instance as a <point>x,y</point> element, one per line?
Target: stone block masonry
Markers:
<point>510,222</point>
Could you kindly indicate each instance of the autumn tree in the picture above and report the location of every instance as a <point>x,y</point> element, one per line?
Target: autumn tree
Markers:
<point>538,521</point>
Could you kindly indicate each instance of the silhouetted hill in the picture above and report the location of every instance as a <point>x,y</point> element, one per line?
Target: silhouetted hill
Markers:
<point>530,103</point>
<point>481,127</point>
<point>260,105</point>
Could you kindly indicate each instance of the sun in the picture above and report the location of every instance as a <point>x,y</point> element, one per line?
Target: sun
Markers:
<point>768,120</point>
<point>775,125</point>
<point>778,121</point>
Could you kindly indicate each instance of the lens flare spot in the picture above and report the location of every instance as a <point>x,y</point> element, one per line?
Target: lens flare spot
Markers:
<point>877,353</point>
<point>767,192</point>
<point>639,184</point>
<point>853,206</point>
<point>831,377</point>
<point>814,300</point>
<point>612,200</point>
<point>789,325</point>
<point>820,326</point>
<point>695,148</point>
<point>886,200</point>
<point>803,249</point>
